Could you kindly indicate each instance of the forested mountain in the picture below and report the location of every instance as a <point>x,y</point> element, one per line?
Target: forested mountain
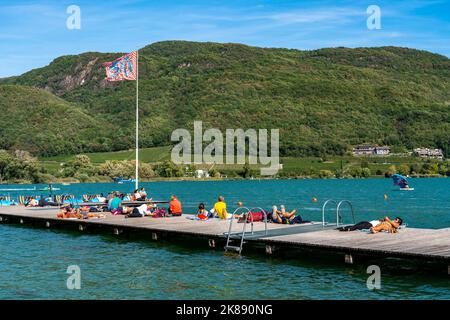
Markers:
<point>323,101</point>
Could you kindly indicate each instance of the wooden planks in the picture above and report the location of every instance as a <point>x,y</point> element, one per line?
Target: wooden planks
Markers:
<point>425,244</point>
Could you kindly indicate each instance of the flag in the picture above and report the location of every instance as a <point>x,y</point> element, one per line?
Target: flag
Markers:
<point>124,68</point>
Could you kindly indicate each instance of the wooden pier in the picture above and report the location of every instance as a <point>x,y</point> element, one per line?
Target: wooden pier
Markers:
<point>425,245</point>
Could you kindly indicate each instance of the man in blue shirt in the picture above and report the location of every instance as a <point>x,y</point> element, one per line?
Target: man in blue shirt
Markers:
<point>116,202</point>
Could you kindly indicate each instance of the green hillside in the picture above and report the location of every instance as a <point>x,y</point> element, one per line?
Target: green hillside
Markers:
<point>37,121</point>
<point>323,101</point>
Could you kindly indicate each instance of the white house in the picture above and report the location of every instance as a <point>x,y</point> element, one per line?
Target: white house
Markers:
<point>382,151</point>
<point>201,174</point>
<point>429,153</point>
<point>370,150</point>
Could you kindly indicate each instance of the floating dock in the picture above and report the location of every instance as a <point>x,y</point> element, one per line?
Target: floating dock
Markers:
<point>423,245</point>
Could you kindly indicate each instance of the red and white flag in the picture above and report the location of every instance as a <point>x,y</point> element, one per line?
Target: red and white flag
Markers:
<point>124,68</point>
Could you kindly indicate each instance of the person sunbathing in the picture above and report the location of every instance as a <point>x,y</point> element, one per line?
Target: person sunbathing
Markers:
<point>68,212</point>
<point>33,203</point>
<point>283,217</point>
<point>388,225</point>
<point>141,211</point>
<point>363,225</point>
<point>287,215</point>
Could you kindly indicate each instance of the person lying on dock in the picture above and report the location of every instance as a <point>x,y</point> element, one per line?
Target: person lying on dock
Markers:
<point>175,207</point>
<point>283,217</point>
<point>33,203</point>
<point>363,225</point>
<point>68,212</point>
<point>139,212</point>
<point>47,202</point>
<point>388,225</point>
<point>143,194</point>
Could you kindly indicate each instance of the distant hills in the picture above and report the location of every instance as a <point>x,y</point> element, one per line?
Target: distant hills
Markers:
<point>323,101</point>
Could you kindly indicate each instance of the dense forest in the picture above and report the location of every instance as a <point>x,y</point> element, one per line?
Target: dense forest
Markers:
<point>324,101</point>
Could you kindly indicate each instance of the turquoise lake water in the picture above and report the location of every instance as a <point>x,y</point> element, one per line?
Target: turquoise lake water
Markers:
<point>34,261</point>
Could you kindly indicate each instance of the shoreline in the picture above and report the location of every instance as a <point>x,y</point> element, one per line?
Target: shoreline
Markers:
<point>192,179</point>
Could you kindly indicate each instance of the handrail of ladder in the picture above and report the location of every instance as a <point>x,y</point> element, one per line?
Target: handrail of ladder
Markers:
<point>265,217</point>
<point>323,209</point>
<point>246,214</point>
<point>339,207</point>
<point>231,222</point>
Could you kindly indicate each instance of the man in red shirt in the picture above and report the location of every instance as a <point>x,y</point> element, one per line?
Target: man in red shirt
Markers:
<point>175,206</point>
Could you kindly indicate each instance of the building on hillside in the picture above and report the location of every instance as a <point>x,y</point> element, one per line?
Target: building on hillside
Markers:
<point>363,150</point>
<point>382,151</point>
<point>370,150</point>
<point>429,153</point>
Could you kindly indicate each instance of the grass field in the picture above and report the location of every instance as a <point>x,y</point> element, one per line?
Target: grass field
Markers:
<point>290,164</point>
<point>150,155</point>
<point>334,163</point>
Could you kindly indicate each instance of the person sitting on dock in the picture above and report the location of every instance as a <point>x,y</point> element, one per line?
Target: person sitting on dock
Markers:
<point>143,194</point>
<point>101,198</point>
<point>175,207</point>
<point>388,225</point>
<point>220,208</point>
<point>136,195</point>
<point>115,203</point>
<point>202,213</point>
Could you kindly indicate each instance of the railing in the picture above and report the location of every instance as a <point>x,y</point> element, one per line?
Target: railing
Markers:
<point>338,210</point>
<point>323,209</point>
<point>246,215</point>
<point>265,217</point>
<point>239,249</point>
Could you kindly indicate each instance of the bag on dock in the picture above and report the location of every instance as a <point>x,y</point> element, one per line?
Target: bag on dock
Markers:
<point>160,213</point>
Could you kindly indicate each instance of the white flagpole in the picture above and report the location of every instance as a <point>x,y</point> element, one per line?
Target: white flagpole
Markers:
<point>137,119</point>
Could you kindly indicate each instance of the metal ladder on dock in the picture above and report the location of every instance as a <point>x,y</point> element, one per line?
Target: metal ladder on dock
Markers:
<point>338,208</point>
<point>240,236</point>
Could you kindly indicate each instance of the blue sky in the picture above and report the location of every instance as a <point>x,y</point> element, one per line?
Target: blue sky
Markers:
<point>33,33</point>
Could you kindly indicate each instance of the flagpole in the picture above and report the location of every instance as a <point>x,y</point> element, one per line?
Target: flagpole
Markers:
<point>137,120</point>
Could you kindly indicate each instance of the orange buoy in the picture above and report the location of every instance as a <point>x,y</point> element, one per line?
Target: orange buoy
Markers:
<point>240,204</point>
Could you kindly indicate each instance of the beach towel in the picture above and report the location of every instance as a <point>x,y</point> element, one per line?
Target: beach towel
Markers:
<point>403,226</point>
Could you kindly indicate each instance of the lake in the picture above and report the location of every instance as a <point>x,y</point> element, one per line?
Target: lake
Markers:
<point>34,261</point>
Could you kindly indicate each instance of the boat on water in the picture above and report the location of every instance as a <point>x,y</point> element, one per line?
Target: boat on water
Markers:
<point>19,189</point>
<point>50,189</point>
<point>401,182</point>
<point>122,181</point>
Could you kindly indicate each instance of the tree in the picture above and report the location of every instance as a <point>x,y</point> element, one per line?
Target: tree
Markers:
<point>390,171</point>
<point>246,170</point>
<point>404,169</point>
<point>5,160</point>
<point>169,169</point>
<point>365,172</point>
